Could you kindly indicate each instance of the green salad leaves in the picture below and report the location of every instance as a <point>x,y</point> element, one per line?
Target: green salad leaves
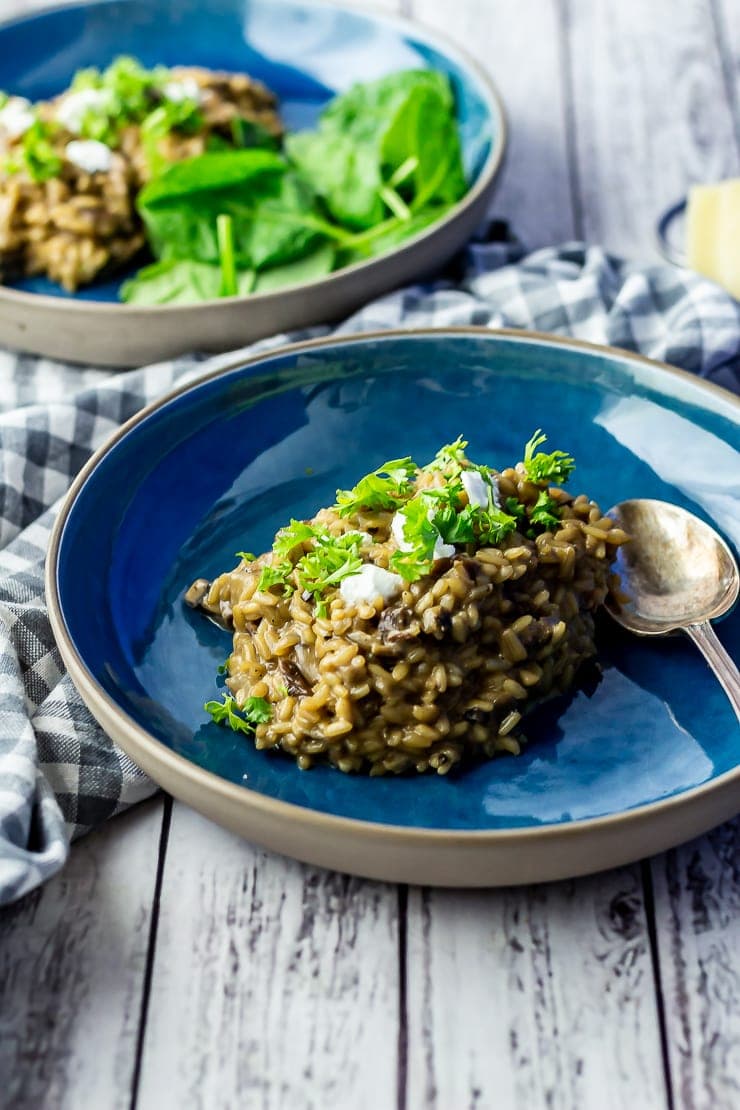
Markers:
<point>383,163</point>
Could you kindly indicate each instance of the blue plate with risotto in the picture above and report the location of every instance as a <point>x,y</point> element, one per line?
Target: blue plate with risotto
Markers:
<point>630,757</point>
<point>180,176</point>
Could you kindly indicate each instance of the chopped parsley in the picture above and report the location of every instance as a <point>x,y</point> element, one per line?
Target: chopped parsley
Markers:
<point>171,115</point>
<point>420,532</point>
<point>329,559</point>
<point>245,556</point>
<point>255,711</point>
<point>449,459</point>
<point>544,512</point>
<point>556,467</point>
<point>310,558</point>
<point>276,574</point>
<point>36,154</point>
<point>386,488</point>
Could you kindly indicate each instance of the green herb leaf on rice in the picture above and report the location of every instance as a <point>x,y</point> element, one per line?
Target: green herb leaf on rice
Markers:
<point>383,489</point>
<point>556,467</point>
<point>245,718</point>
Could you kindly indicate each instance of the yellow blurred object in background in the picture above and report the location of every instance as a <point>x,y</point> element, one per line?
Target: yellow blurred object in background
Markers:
<point>713,233</point>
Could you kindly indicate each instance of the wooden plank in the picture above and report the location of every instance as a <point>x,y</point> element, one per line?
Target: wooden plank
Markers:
<point>72,964</point>
<point>726,14</point>
<point>651,113</point>
<point>533,997</point>
<point>274,984</point>
<point>697,902</point>
<point>520,47</point>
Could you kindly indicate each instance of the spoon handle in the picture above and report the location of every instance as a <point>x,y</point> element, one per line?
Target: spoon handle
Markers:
<point>706,640</point>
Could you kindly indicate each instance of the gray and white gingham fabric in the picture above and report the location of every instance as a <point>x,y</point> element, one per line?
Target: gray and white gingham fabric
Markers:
<point>60,775</point>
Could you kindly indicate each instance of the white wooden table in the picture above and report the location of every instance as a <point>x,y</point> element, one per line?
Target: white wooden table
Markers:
<point>172,965</point>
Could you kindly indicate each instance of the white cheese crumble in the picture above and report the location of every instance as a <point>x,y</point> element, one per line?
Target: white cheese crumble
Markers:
<point>442,550</point>
<point>370,582</point>
<point>476,488</point>
<point>90,155</point>
<point>16,116</point>
<point>71,111</point>
<point>183,88</point>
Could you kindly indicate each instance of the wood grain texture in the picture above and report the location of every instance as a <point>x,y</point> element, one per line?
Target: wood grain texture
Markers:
<point>534,997</point>
<point>519,45</point>
<point>650,110</point>
<point>274,985</point>
<point>72,961</point>
<point>697,903</point>
<point>726,16</point>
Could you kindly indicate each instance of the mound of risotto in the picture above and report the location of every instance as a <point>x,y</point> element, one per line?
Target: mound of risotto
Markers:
<point>417,620</point>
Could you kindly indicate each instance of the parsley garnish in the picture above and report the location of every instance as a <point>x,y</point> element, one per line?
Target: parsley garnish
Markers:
<point>332,559</point>
<point>419,531</point>
<point>329,559</point>
<point>493,526</point>
<point>293,534</point>
<point>515,508</point>
<point>172,115</point>
<point>385,488</point>
<point>245,556</point>
<point>545,511</point>
<point>556,467</point>
<point>449,459</point>
<point>255,711</point>
<point>276,575</point>
<point>38,156</point>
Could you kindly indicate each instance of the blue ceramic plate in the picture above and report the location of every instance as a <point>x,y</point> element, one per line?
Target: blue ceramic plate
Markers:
<point>306,51</point>
<point>219,466</point>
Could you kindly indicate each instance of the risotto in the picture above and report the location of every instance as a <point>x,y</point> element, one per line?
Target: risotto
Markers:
<point>417,620</point>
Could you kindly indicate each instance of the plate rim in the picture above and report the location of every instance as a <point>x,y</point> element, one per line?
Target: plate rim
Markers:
<point>486,178</point>
<point>140,745</point>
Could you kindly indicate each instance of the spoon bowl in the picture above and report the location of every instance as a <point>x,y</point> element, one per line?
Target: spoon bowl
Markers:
<point>676,574</point>
<point>676,570</point>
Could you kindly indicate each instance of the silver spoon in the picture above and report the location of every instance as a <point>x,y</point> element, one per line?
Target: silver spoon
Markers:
<point>678,575</point>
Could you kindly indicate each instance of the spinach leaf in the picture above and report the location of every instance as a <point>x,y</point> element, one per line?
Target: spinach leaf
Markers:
<point>383,164</point>
<point>315,265</point>
<point>272,212</point>
<point>389,234</point>
<point>399,131</point>
<point>217,170</point>
<point>284,225</point>
<point>424,128</point>
<point>346,174</point>
<point>180,282</point>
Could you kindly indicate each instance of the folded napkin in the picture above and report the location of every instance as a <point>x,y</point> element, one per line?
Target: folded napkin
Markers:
<point>60,775</point>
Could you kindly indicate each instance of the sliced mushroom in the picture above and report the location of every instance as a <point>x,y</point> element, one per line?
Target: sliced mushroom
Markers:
<point>398,624</point>
<point>295,681</point>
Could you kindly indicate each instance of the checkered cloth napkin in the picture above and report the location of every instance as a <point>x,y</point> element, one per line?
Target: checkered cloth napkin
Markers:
<point>60,775</point>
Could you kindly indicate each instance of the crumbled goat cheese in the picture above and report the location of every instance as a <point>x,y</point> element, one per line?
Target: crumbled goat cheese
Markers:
<point>16,116</point>
<point>90,155</point>
<point>71,111</point>
<point>442,550</point>
<point>476,488</point>
<point>185,88</point>
<point>370,582</point>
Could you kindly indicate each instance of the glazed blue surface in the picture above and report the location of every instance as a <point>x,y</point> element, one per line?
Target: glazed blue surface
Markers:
<point>221,467</point>
<point>305,50</point>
